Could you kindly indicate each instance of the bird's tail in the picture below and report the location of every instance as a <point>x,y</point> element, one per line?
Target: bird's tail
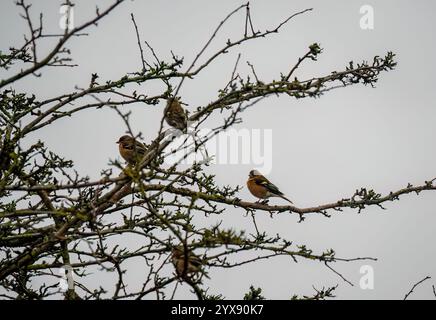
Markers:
<point>283,197</point>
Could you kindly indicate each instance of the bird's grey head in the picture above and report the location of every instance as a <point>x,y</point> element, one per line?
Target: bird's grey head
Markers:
<point>125,139</point>
<point>254,173</point>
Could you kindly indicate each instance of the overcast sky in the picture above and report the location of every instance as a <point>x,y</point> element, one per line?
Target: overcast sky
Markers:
<point>322,149</point>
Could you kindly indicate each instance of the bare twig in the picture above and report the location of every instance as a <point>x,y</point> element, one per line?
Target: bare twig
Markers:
<point>414,286</point>
<point>143,61</point>
<point>340,275</point>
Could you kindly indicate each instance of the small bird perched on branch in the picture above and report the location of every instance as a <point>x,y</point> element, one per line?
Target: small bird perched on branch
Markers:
<point>262,188</point>
<point>131,150</point>
<point>185,266</point>
<point>175,115</point>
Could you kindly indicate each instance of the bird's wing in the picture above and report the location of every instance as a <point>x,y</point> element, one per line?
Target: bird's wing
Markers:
<point>195,260</point>
<point>140,148</point>
<point>267,184</point>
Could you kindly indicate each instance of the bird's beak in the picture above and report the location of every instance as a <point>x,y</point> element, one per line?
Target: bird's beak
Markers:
<point>117,141</point>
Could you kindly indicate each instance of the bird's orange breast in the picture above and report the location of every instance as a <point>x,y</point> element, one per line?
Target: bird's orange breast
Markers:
<point>127,154</point>
<point>257,190</point>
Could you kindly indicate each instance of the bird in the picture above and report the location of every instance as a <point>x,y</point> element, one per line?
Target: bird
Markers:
<point>130,149</point>
<point>262,188</point>
<point>185,267</point>
<point>175,115</point>
<point>5,160</point>
<point>6,149</point>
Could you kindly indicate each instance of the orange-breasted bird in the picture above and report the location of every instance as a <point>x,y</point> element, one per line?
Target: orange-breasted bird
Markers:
<point>262,188</point>
<point>131,150</point>
<point>175,115</point>
<point>185,266</point>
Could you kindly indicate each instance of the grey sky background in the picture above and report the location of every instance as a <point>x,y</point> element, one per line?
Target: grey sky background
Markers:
<point>323,149</point>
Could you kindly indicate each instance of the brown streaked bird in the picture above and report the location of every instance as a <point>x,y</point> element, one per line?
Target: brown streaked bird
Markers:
<point>175,115</point>
<point>185,266</point>
<point>262,188</point>
<point>131,150</point>
<point>5,158</point>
